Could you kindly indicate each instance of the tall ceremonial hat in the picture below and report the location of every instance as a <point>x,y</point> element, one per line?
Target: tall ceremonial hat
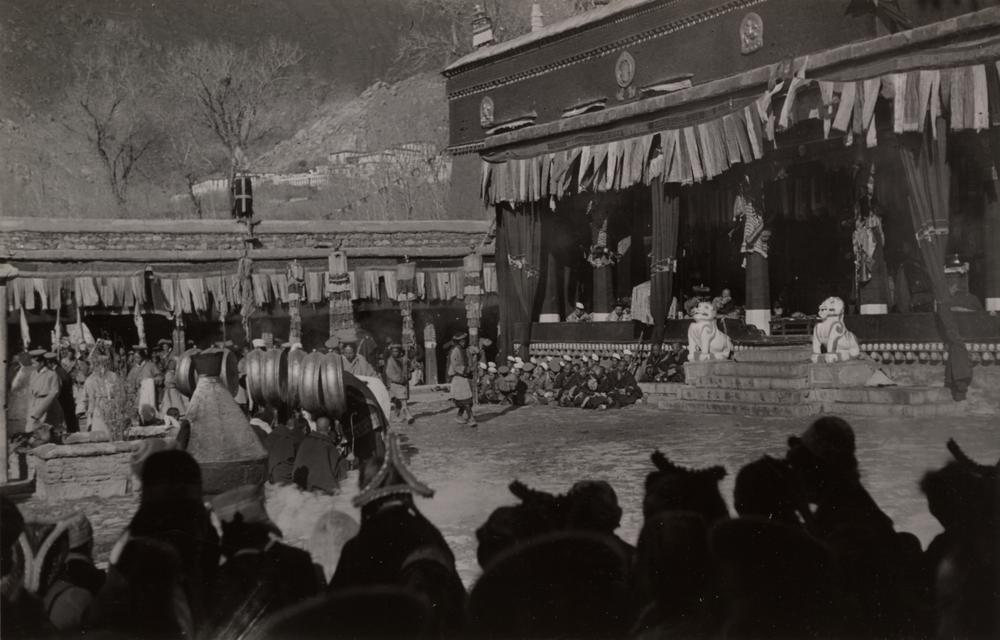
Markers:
<point>393,478</point>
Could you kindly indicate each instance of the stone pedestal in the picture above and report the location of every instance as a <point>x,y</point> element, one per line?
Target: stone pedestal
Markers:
<point>852,373</point>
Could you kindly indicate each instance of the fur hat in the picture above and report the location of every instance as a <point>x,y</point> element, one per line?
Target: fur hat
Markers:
<point>258,343</point>
<point>483,366</point>
<point>527,367</point>
<point>555,367</point>
<point>830,439</point>
<point>504,370</point>
<point>675,488</point>
<point>579,305</point>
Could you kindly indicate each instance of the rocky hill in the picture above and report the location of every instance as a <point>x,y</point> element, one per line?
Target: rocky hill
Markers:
<point>368,81</point>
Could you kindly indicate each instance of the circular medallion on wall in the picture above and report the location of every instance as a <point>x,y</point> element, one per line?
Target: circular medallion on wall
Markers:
<point>625,69</point>
<point>751,33</point>
<point>486,112</point>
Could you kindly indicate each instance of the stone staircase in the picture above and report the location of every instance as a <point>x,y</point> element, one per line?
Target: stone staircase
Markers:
<point>782,382</point>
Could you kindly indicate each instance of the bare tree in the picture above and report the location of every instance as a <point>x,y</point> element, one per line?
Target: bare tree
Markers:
<point>110,90</point>
<point>228,92</point>
<point>441,30</point>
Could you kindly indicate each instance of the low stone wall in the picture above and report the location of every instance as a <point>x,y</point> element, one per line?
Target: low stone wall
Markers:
<point>85,470</point>
<point>21,235</point>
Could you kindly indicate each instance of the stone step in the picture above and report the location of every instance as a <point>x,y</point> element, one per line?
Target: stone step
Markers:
<point>794,353</point>
<point>740,382</point>
<point>747,369</point>
<point>884,395</point>
<point>735,408</point>
<point>882,410</point>
<point>745,396</point>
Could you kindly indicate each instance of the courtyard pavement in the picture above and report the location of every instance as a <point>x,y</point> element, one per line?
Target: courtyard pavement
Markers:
<point>550,448</point>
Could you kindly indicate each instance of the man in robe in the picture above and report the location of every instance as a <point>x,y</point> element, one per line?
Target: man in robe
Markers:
<point>460,377</point>
<point>397,372</point>
<point>44,407</point>
<point>356,363</point>
<point>619,314</point>
<point>142,377</point>
<point>579,314</point>
<point>66,400</point>
<point>319,465</point>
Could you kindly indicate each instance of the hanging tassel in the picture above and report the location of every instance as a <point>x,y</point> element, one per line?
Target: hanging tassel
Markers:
<point>57,331</point>
<point>25,331</point>
<point>140,325</point>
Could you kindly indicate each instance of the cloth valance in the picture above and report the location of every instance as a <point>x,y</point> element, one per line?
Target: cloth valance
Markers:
<point>746,132</point>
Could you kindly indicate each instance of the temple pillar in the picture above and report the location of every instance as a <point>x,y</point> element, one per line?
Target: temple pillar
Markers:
<point>758,292</point>
<point>406,293</point>
<point>873,295</point>
<point>338,290</point>
<point>991,245</point>
<point>430,354</point>
<point>7,273</point>
<point>604,293</point>
<point>296,287</point>
<point>552,289</point>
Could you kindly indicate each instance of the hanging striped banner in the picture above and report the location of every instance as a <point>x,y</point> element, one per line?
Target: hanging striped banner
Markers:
<point>704,150</point>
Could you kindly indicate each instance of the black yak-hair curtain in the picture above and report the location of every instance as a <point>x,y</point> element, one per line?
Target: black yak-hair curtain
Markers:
<point>518,260</point>
<point>928,178</point>
<point>666,221</point>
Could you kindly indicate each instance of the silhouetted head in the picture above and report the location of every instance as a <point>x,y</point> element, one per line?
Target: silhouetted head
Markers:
<point>675,488</point>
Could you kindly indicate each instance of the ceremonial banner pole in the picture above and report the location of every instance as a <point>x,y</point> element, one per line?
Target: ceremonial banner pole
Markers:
<point>338,288</point>
<point>7,273</point>
<point>296,282</point>
<point>472,266</point>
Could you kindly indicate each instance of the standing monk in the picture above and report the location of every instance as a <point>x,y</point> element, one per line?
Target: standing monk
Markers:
<point>460,374</point>
<point>142,378</point>
<point>44,407</point>
<point>397,372</point>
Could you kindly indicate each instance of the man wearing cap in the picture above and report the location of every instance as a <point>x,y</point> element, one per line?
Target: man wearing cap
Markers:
<point>44,407</point>
<point>618,313</point>
<point>356,363</point>
<point>578,314</point>
<point>488,393</point>
<point>460,376</point>
<point>397,372</point>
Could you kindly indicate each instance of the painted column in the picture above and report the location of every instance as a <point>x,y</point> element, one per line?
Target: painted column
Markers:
<point>406,293</point>
<point>430,354</point>
<point>873,295</point>
<point>748,206</point>
<point>296,286</point>
<point>604,292</point>
<point>7,273</point>
<point>472,269</point>
<point>991,244</point>
<point>338,288</point>
<point>758,292</point>
<point>550,301</point>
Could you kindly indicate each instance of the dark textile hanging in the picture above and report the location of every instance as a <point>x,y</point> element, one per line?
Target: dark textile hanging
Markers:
<point>929,178</point>
<point>518,260</point>
<point>666,219</point>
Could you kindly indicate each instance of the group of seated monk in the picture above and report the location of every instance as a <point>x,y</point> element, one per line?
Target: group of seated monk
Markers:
<point>587,382</point>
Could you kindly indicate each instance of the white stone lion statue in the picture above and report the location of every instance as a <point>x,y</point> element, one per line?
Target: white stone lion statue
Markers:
<point>832,342</point>
<point>705,340</point>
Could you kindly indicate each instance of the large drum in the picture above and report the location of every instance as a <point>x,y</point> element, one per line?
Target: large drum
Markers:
<point>255,376</point>
<point>187,376</point>
<point>275,376</point>
<point>296,357</point>
<point>230,374</point>
<point>310,391</point>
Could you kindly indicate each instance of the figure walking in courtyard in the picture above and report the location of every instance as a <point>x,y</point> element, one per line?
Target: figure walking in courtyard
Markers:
<point>460,376</point>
